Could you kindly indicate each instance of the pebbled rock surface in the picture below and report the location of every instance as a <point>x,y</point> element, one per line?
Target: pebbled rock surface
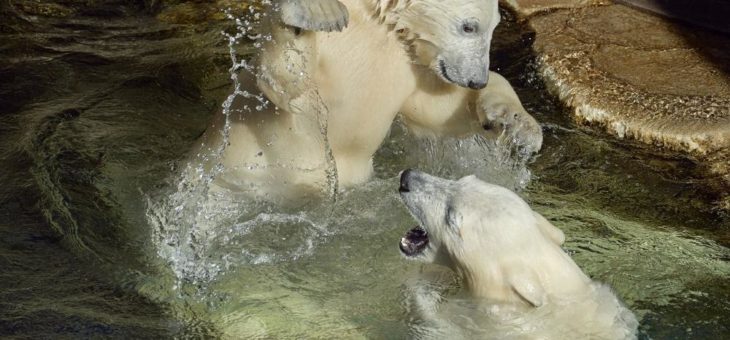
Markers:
<point>642,77</point>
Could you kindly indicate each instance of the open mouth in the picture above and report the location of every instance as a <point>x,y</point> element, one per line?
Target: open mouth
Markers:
<point>414,242</point>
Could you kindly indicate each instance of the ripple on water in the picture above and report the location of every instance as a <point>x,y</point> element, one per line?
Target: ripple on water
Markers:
<point>106,116</point>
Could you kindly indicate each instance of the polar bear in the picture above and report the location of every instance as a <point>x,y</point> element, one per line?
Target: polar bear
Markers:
<point>336,94</point>
<point>510,260</point>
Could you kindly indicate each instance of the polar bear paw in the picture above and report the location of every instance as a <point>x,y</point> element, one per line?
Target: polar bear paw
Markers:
<point>314,15</point>
<point>510,121</point>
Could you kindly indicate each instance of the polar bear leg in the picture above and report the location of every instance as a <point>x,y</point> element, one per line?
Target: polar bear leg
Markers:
<point>501,114</point>
<point>441,109</point>
<point>314,15</point>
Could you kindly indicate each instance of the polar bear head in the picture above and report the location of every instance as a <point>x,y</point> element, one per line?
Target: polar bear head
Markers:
<point>487,234</point>
<point>451,37</point>
<point>510,257</point>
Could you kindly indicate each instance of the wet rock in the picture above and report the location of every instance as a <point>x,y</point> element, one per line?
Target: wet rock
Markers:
<point>525,8</point>
<point>642,77</point>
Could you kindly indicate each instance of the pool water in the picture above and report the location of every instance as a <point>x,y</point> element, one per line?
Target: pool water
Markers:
<point>98,109</point>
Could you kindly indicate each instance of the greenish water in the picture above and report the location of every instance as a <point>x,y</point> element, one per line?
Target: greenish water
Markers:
<point>98,108</point>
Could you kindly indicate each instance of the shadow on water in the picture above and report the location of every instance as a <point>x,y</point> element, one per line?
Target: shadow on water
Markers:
<point>47,291</point>
<point>73,73</point>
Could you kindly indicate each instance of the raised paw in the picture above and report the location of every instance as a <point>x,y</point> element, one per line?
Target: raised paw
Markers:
<point>511,121</point>
<point>314,15</point>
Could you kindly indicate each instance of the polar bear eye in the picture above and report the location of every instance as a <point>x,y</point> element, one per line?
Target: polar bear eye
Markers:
<point>469,27</point>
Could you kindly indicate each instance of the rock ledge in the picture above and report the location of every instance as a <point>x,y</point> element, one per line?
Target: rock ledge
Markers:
<point>641,77</point>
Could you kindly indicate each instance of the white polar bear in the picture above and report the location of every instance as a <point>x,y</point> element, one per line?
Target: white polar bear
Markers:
<point>336,94</point>
<point>510,261</point>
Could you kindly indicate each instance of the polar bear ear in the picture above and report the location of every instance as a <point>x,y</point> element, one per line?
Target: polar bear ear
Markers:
<point>454,218</point>
<point>527,286</point>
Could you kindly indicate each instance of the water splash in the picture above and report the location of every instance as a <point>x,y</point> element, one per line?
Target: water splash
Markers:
<point>496,161</point>
<point>202,232</point>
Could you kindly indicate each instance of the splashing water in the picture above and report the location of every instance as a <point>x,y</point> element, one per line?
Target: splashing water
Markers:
<point>190,220</point>
<point>98,113</point>
<point>492,160</point>
<point>200,232</point>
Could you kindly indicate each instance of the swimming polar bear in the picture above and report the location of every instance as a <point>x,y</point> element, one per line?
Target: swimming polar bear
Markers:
<point>336,94</point>
<point>519,280</point>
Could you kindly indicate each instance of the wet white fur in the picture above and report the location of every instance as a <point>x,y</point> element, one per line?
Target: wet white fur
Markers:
<point>383,63</point>
<point>520,283</point>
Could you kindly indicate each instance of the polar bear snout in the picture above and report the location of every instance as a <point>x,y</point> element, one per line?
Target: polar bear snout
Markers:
<point>415,241</point>
<point>478,75</point>
<point>473,76</point>
<point>414,180</point>
<point>477,85</point>
<point>404,180</point>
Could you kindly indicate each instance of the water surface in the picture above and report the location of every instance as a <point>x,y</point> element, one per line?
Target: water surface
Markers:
<point>98,107</point>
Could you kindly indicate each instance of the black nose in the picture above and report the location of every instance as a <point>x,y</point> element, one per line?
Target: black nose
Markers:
<point>476,85</point>
<point>404,176</point>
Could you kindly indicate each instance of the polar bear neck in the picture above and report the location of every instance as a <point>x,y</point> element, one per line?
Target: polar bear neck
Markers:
<point>488,282</point>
